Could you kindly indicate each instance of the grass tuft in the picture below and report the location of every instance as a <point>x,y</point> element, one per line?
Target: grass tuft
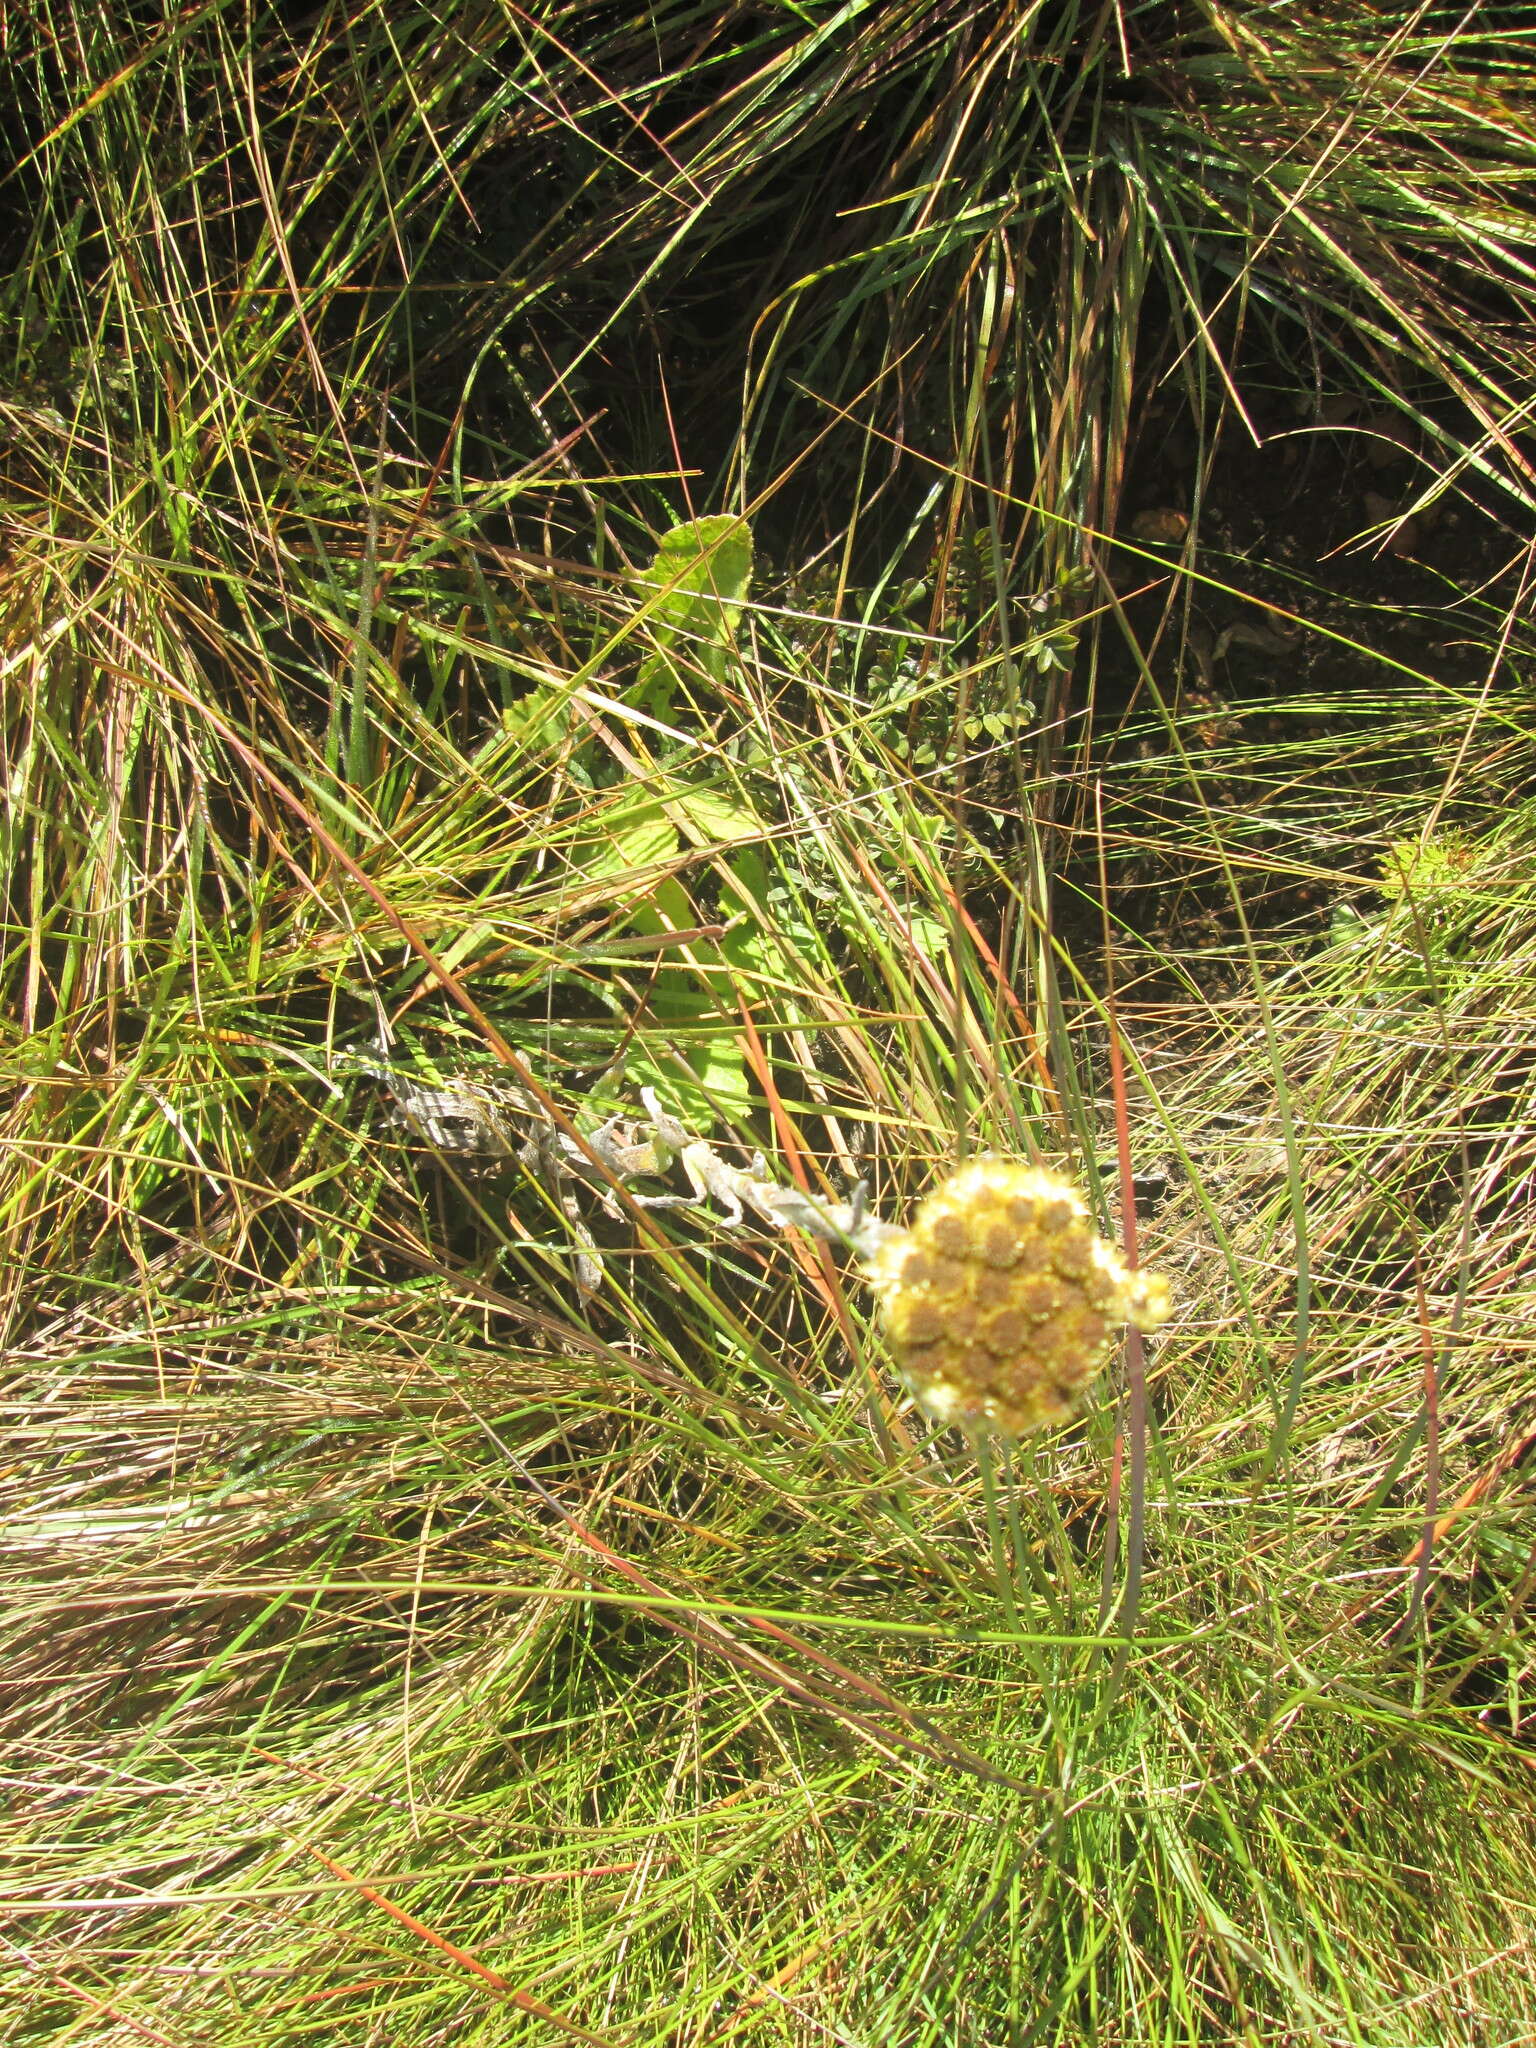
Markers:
<point>870,584</point>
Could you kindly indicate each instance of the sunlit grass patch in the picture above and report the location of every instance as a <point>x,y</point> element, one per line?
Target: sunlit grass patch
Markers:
<point>574,648</point>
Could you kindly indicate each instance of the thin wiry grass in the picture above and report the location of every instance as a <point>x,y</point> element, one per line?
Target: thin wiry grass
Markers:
<point>401,1644</point>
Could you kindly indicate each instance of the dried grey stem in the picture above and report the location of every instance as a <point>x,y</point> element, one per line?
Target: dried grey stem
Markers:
<point>468,1118</point>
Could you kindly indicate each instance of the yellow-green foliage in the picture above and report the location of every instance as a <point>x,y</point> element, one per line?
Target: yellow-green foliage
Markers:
<point>693,592</point>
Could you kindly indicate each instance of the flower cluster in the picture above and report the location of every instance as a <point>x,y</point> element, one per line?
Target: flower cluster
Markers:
<point>1001,1298</point>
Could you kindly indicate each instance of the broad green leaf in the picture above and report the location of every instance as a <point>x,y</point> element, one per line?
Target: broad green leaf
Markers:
<point>693,594</point>
<point>929,936</point>
<point>722,1093</point>
<point>709,819</point>
<point>636,833</point>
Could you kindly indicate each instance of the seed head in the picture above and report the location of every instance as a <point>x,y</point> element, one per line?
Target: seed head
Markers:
<point>1001,1298</point>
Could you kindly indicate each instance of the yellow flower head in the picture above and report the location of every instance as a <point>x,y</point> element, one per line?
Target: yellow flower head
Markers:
<point>1001,1298</point>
